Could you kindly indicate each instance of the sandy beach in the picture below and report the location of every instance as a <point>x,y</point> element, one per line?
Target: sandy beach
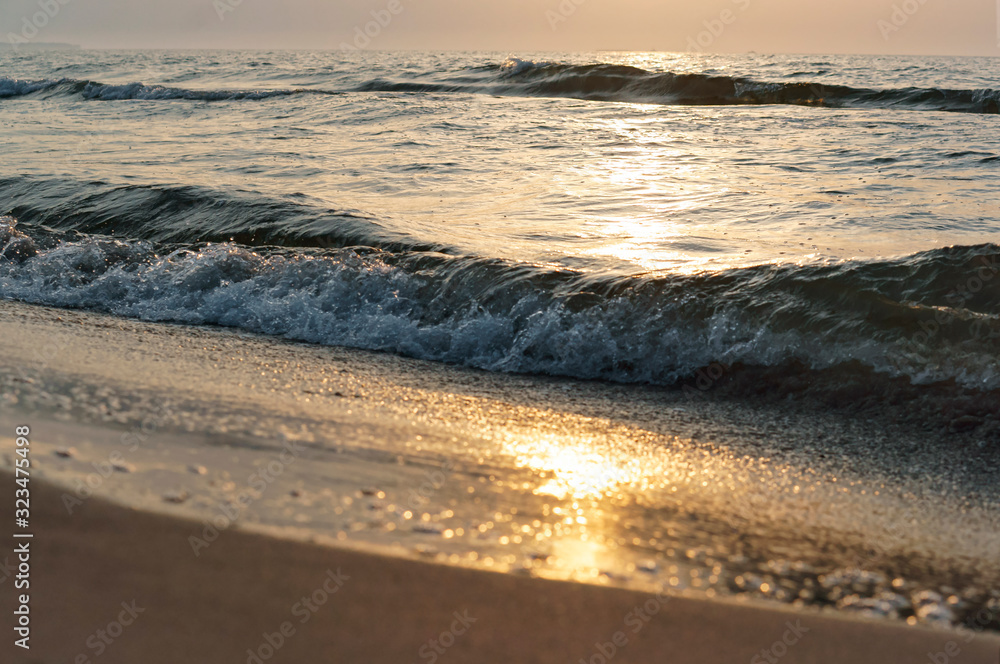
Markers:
<point>177,415</point>
<point>244,589</point>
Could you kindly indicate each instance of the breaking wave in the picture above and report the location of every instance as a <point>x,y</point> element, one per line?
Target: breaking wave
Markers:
<point>596,82</point>
<point>929,317</point>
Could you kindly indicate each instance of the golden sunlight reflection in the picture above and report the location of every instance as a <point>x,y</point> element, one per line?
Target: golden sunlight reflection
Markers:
<point>597,466</point>
<point>608,498</point>
<point>658,168</point>
<point>582,556</point>
<point>573,470</point>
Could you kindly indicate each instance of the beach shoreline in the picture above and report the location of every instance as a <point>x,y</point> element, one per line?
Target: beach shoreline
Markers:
<point>238,595</point>
<point>498,356</point>
<point>191,411</point>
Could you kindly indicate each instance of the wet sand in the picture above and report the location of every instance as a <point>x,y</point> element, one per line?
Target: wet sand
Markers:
<point>215,607</point>
<point>520,449</point>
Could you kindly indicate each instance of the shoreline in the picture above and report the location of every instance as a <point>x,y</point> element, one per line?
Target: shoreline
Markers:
<point>582,358</point>
<point>241,592</point>
<point>620,489</point>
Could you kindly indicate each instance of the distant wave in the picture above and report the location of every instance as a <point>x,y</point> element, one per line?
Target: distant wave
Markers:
<point>621,83</point>
<point>10,87</point>
<point>164,254</point>
<point>606,82</point>
<point>595,82</point>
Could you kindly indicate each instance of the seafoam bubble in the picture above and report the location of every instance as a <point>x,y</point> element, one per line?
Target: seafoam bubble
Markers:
<point>14,245</point>
<point>488,314</point>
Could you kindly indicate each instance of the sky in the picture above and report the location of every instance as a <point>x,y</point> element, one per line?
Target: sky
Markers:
<point>939,27</point>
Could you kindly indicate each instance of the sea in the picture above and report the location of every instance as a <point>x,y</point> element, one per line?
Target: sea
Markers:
<point>715,323</point>
<point>624,217</point>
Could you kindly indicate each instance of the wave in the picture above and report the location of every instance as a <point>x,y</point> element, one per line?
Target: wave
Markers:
<point>607,82</point>
<point>66,87</point>
<point>926,318</point>
<point>188,214</point>
<point>594,82</point>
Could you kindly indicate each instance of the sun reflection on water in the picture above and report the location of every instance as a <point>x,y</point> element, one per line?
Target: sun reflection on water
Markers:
<point>573,469</point>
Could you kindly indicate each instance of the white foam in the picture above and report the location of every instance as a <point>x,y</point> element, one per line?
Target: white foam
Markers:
<point>348,300</point>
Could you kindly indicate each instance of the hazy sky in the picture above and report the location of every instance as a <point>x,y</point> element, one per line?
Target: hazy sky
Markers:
<point>961,27</point>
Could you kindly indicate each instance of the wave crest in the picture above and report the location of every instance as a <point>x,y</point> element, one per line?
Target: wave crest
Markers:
<point>907,318</point>
<point>10,87</point>
<point>608,82</point>
<point>595,82</point>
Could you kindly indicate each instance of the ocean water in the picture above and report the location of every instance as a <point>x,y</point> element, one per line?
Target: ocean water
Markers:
<point>616,216</point>
<point>827,221</point>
